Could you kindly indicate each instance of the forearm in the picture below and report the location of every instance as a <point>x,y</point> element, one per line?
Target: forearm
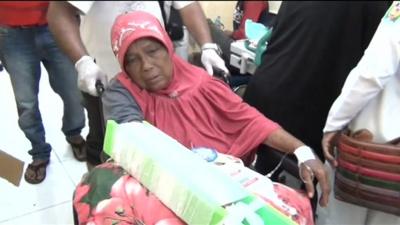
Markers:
<point>64,25</point>
<point>194,19</point>
<point>283,141</point>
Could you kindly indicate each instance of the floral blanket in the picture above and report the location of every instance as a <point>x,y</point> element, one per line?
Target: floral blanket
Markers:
<point>108,195</point>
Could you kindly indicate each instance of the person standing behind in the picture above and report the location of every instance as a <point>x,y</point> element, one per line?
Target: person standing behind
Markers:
<point>88,47</point>
<point>312,49</point>
<point>370,99</point>
<point>25,42</point>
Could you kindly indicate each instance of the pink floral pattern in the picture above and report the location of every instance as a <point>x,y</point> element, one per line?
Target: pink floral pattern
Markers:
<point>119,200</point>
<point>110,196</point>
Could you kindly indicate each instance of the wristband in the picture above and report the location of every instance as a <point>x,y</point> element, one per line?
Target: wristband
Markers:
<point>303,153</point>
<point>212,46</point>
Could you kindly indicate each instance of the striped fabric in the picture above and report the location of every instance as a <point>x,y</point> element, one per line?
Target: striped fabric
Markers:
<point>368,174</point>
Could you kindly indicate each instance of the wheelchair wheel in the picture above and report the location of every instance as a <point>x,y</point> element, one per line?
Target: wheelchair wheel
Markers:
<point>239,90</point>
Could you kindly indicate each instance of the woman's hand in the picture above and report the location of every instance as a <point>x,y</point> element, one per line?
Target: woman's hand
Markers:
<point>328,144</point>
<point>309,163</point>
<point>308,170</point>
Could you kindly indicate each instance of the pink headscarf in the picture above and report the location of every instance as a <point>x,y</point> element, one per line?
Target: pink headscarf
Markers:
<point>195,109</point>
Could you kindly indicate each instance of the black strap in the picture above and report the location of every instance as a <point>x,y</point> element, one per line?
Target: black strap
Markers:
<point>239,5</point>
<point>174,25</point>
<point>238,14</point>
<point>161,3</point>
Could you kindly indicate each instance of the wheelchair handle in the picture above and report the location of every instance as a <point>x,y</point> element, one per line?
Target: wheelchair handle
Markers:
<point>224,76</point>
<point>99,87</point>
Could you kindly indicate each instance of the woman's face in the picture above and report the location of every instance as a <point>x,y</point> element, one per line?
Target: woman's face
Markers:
<point>148,64</point>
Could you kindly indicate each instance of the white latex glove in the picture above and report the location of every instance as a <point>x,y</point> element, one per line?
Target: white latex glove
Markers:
<point>210,58</point>
<point>88,73</point>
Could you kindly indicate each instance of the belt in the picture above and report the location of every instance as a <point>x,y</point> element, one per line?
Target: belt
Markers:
<point>368,173</point>
<point>368,163</point>
<point>387,149</point>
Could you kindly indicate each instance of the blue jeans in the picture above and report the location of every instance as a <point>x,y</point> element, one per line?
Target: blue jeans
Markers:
<point>22,49</point>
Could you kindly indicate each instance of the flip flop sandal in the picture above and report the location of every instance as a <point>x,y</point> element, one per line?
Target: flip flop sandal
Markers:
<point>38,170</point>
<point>79,150</point>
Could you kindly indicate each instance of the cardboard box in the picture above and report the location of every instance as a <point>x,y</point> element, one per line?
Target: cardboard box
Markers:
<point>11,168</point>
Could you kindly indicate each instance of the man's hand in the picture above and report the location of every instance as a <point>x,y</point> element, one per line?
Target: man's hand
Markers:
<point>210,57</point>
<point>88,73</point>
<point>328,143</point>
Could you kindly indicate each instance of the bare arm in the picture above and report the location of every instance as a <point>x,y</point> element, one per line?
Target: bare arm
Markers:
<point>283,141</point>
<point>194,19</point>
<point>64,25</point>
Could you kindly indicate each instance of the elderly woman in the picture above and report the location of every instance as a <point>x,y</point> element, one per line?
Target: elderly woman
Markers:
<point>186,103</point>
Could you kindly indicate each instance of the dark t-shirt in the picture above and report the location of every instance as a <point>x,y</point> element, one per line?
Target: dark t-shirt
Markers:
<point>313,47</point>
<point>119,105</point>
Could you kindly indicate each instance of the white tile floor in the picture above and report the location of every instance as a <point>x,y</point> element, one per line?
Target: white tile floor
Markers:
<point>49,202</point>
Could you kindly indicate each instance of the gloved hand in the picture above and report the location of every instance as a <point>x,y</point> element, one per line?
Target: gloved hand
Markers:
<point>210,56</point>
<point>88,73</point>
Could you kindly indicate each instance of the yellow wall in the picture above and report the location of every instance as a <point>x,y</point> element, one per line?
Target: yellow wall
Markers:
<point>212,9</point>
<point>224,9</point>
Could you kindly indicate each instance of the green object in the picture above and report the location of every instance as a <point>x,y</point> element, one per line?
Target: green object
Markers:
<point>254,31</point>
<point>260,34</point>
<point>155,164</point>
<point>197,191</point>
<point>108,144</point>
<point>269,214</point>
<point>262,47</point>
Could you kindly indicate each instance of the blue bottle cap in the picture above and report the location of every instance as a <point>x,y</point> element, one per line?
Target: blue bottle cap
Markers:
<point>207,154</point>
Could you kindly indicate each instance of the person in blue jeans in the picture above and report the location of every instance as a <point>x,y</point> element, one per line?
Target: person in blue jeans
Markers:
<point>25,43</point>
